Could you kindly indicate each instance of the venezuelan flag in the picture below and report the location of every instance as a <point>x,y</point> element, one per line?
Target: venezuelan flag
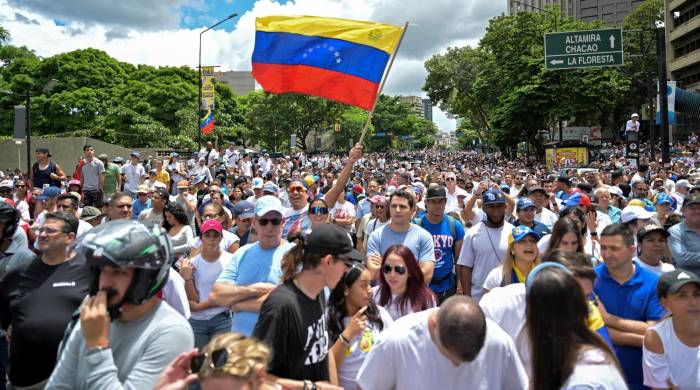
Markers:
<point>207,123</point>
<point>337,59</point>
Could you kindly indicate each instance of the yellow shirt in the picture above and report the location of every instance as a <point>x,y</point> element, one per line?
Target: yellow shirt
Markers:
<point>163,177</point>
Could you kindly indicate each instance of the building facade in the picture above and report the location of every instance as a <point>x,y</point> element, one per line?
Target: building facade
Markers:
<point>683,42</point>
<point>567,7</point>
<point>242,82</point>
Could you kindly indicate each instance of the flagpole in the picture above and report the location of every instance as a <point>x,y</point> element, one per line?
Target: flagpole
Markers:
<point>381,85</point>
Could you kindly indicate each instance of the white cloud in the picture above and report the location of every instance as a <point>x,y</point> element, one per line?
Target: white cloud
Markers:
<point>435,26</point>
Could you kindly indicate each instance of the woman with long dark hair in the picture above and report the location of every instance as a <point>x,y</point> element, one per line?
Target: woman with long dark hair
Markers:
<point>566,235</point>
<point>565,352</point>
<point>354,323</point>
<point>178,228</point>
<point>402,289</point>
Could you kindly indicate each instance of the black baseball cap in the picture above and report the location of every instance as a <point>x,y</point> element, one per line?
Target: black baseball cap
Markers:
<point>534,189</point>
<point>691,199</point>
<point>650,228</point>
<point>330,239</point>
<point>671,282</point>
<point>436,192</point>
<point>565,180</point>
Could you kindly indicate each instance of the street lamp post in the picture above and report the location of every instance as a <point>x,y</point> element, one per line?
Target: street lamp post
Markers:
<point>51,84</point>
<point>199,102</point>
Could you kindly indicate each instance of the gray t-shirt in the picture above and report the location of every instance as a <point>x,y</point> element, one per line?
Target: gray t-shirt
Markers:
<point>90,173</point>
<point>139,351</point>
<point>417,239</point>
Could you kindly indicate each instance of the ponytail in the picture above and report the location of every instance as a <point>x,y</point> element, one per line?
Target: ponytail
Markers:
<point>298,258</point>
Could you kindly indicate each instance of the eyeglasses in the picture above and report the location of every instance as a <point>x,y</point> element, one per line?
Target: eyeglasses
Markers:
<point>450,179</point>
<point>318,210</point>
<point>297,189</point>
<point>399,269</point>
<point>219,357</point>
<point>273,221</point>
<point>49,231</point>
<point>379,206</point>
<point>210,216</point>
<point>21,186</point>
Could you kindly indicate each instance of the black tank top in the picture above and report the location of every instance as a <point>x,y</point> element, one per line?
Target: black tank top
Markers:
<point>42,177</point>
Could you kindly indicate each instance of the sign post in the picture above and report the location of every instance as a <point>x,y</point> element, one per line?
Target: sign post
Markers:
<point>583,49</point>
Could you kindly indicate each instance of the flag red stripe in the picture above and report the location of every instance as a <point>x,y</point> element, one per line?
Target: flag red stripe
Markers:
<point>208,128</point>
<point>310,80</point>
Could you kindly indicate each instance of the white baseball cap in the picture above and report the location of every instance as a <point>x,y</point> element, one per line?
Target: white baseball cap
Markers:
<point>630,213</point>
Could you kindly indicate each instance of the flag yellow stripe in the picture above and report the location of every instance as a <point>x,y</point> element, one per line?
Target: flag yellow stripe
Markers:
<point>384,37</point>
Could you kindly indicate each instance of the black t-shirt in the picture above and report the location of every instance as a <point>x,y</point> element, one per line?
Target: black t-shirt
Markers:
<point>38,300</point>
<point>294,327</point>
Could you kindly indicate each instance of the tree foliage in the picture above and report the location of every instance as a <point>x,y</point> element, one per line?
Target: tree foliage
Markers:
<point>145,106</point>
<point>501,92</point>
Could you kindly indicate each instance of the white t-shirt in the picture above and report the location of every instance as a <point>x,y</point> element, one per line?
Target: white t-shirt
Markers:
<point>133,175</point>
<point>205,274</point>
<point>406,357</point>
<point>372,225</point>
<point>494,278</point>
<point>360,346</point>
<point>342,211</point>
<point>393,308</point>
<point>547,217</point>
<point>174,293</point>
<point>657,269</point>
<point>226,241</point>
<point>506,307</point>
<point>482,250</point>
<point>595,370</point>
<point>452,200</point>
<point>679,362</point>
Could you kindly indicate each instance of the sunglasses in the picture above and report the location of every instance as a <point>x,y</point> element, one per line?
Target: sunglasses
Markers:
<point>318,210</point>
<point>399,269</point>
<point>450,179</point>
<point>379,207</point>
<point>21,186</point>
<point>297,189</point>
<point>273,221</point>
<point>219,357</point>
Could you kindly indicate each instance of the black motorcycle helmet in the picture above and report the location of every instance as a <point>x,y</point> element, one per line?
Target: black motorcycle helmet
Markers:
<point>128,244</point>
<point>9,216</point>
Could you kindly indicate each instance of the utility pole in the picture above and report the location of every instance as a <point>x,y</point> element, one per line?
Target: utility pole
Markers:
<point>663,93</point>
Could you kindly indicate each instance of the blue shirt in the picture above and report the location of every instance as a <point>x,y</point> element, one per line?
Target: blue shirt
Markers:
<point>685,247</point>
<point>364,207</point>
<point>417,239</point>
<point>138,207</point>
<point>637,300</point>
<point>614,213</point>
<point>444,244</point>
<point>252,264</point>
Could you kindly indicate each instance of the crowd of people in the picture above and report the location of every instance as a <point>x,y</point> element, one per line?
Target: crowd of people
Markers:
<point>443,269</point>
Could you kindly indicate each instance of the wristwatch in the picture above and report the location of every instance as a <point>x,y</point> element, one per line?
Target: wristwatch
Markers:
<point>308,385</point>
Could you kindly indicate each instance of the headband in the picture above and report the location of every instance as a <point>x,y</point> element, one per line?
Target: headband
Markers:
<point>533,274</point>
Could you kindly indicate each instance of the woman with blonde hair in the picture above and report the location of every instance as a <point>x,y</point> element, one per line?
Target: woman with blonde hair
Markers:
<point>522,255</point>
<point>229,361</point>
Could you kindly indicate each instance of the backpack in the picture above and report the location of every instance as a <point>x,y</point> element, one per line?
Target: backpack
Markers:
<point>450,222</point>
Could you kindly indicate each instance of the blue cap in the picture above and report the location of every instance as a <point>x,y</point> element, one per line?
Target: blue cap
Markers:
<point>257,183</point>
<point>504,187</point>
<point>492,197</point>
<point>271,188</point>
<point>524,203</point>
<point>663,198</point>
<point>268,203</point>
<point>244,209</point>
<point>520,232</point>
<point>199,179</point>
<point>547,264</point>
<point>49,193</point>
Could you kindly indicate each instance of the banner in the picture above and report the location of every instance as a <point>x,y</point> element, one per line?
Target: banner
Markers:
<point>207,88</point>
<point>671,93</point>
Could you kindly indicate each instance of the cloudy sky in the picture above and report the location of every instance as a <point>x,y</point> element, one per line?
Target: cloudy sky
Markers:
<point>166,32</point>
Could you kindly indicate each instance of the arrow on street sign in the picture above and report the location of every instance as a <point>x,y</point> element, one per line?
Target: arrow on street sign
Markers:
<point>583,49</point>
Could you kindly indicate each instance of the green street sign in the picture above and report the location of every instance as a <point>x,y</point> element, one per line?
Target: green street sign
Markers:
<point>583,49</point>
